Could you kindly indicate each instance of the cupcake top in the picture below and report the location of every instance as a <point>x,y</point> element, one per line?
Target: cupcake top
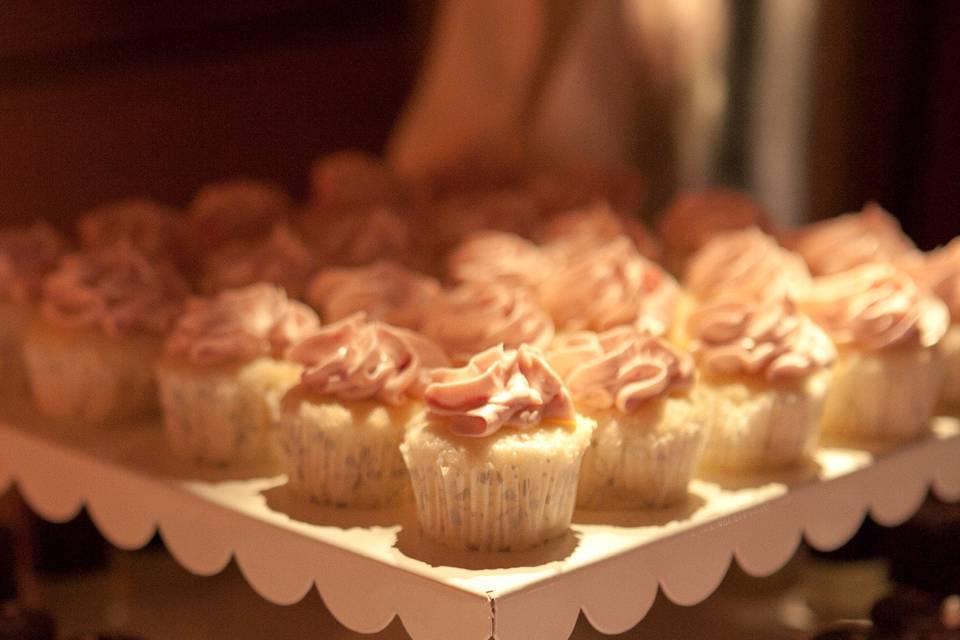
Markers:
<point>117,290</point>
<point>149,227</point>
<point>580,185</point>
<point>694,217</point>
<point>494,257</point>
<point>238,209</point>
<point>612,286</point>
<point>359,237</point>
<point>747,262</point>
<point>579,231</point>
<point>939,271</point>
<point>352,180</point>
<point>472,317</point>
<point>769,340</point>
<point>239,325</point>
<point>498,388</point>
<point>27,255</point>
<point>281,258</point>
<point>837,244</point>
<point>360,359</point>
<point>620,369</point>
<point>384,290</point>
<point>876,306</point>
<point>506,209</point>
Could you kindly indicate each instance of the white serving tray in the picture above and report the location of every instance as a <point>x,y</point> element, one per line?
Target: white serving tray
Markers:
<point>372,565</point>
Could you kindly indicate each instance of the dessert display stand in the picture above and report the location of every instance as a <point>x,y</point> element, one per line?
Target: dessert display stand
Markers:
<point>372,565</point>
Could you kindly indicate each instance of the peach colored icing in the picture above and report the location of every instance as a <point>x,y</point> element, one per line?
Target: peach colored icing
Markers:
<point>239,325</point>
<point>116,289</point>
<point>498,388</point>
<point>694,217</point>
<point>612,286</point>
<point>351,180</point>
<point>495,257</point>
<point>621,368</point>
<point>384,290</point>
<point>582,230</point>
<point>149,227</point>
<point>473,317</point>
<point>357,238</point>
<point>876,306</point>
<point>27,254</point>
<point>747,262</point>
<point>239,209</point>
<point>360,359</point>
<point>770,339</point>
<point>850,240</point>
<point>281,258</point>
<point>939,271</point>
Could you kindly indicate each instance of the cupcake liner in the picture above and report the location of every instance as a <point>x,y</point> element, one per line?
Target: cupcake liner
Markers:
<point>223,416</point>
<point>86,376</point>
<point>750,428</point>
<point>883,396</point>
<point>644,460</point>
<point>507,501</point>
<point>950,348</point>
<point>345,454</point>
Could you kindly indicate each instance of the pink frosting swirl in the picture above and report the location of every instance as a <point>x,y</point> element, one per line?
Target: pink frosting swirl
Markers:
<point>353,180</point>
<point>747,262</point>
<point>384,290</point>
<point>769,339</point>
<point>27,255</point>
<point>498,388</point>
<point>239,209</point>
<point>939,271</point>
<point>850,240</point>
<point>876,306</point>
<point>240,325</point>
<point>611,287</point>
<point>579,231</point>
<point>493,257</point>
<point>150,227</point>
<point>117,289</point>
<point>473,317</point>
<point>694,217</point>
<point>358,237</point>
<point>281,259</point>
<point>621,368</point>
<point>360,359</point>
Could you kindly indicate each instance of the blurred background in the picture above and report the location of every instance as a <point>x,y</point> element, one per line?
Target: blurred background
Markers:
<point>814,107</point>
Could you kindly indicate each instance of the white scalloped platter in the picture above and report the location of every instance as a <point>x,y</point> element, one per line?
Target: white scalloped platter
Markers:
<point>370,566</point>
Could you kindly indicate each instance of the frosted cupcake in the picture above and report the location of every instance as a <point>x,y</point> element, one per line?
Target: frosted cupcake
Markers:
<point>149,227</point>
<point>356,238</point>
<point>575,232</point>
<point>238,209</point>
<point>280,258</point>
<point>27,255</point>
<point>91,351</point>
<point>384,290</point>
<point>837,244</point>
<point>939,271</point>
<point>578,186</point>
<point>693,218</point>
<point>638,390</point>
<point>609,287</point>
<point>224,371</point>
<point>472,317</point>
<point>351,180</point>
<point>889,371</point>
<point>764,373</point>
<point>341,426</point>
<point>495,462</point>
<point>494,257</point>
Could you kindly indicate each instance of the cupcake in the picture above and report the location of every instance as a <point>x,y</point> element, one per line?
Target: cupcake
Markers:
<point>351,180</point>
<point>224,371</point>
<point>384,290</point>
<point>149,227</point>
<point>341,426</point>
<point>238,209</point>
<point>357,237</point>
<point>495,461</point>
<point>939,271</point>
<point>837,244</point>
<point>764,372</point>
<point>693,218</point>
<point>103,314</point>
<point>578,231</point>
<point>495,257</point>
<point>611,286</point>
<point>471,318</point>
<point>280,258</point>
<point>638,390</point>
<point>890,370</point>
<point>27,254</point>
<point>577,186</point>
